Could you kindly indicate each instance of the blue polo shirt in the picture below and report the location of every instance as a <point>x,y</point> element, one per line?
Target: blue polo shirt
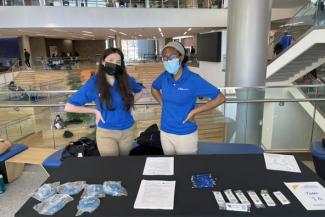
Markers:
<point>179,98</point>
<point>117,119</point>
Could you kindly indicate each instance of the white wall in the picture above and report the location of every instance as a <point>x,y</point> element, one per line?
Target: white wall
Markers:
<point>287,126</point>
<point>34,16</point>
<point>31,16</point>
<point>212,72</point>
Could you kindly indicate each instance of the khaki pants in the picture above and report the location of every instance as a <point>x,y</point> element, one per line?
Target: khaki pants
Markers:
<point>114,142</point>
<point>179,144</point>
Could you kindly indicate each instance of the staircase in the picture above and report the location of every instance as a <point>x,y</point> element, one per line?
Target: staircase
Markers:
<point>298,60</point>
<point>42,80</point>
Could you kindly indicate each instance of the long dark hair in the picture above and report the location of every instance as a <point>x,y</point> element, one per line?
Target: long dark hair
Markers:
<point>122,80</point>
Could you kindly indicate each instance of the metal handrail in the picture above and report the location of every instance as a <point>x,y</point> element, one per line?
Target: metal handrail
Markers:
<point>293,85</point>
<point>15,121</point>
<point>156,103</point>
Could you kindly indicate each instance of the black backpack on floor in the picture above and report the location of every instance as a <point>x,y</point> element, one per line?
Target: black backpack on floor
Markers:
<point>148,142</point>
<point>84,147</point>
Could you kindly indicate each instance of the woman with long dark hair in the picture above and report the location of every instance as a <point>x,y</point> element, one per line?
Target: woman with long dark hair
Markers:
<point>114,93</point>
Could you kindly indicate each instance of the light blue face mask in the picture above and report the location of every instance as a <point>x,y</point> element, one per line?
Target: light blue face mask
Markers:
<point>172,66</point>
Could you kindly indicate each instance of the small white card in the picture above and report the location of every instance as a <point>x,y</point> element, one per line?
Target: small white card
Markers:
<point>281,162</point>
<point>155,194</point>
<point>159,166</point>
<point>310,194</point>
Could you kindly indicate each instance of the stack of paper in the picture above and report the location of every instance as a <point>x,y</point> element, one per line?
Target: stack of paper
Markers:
<point>159,166</point>
<point>281,162</point>
<point>155,194</point>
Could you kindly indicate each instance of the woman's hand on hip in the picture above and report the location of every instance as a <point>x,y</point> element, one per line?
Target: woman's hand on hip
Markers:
<point>99,117</point>
<point>190,117</point>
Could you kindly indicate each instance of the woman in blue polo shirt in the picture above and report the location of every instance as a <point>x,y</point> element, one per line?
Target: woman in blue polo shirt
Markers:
<point>114,93</point>
<point>176,90</point>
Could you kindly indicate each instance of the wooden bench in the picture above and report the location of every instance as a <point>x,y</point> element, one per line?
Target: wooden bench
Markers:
<point>36,156</point>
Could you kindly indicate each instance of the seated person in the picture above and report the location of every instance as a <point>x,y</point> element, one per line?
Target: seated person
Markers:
<point>12,86</point>
<point>58,122</point>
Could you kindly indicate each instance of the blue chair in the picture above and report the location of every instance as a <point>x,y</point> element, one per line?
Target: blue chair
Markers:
<point>318,153</point>
<point>53,161</point>
<point>14,150</point>
<point>228,148</point>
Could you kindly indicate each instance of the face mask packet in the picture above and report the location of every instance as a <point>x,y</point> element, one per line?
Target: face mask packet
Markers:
<point>283,200</point>
<point>256,200</point>
<point>45,191</point>
<point>220,200</point>
<point>53,204</point>
<point>267,198</point>
<point>71,188</point>
<point>114,188</point>
<point>88,204</point>
<point>230,196</point>
<point>237,207</point>
<point>242,198</point>
<point>95,190</point>
<point>202,181</point>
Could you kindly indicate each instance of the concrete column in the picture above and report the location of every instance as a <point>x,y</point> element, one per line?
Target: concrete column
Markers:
<point>25,44</point>
<point>161,44</point>
<point>147,3</point>
<point>38,48</point>
<point>118,41</point>
<point>247,37</point>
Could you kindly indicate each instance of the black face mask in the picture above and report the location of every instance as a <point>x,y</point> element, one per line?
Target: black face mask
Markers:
<point>112,69</point>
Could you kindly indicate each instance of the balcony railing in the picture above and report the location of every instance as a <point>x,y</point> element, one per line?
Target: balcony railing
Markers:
<point>288,119</point>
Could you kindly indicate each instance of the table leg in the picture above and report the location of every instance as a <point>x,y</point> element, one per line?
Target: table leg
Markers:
<point>14,170</point>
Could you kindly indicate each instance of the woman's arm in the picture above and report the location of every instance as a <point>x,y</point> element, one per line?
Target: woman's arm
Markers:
<point>206,107</point>
<point>137,96</point>
<point>157,95</point>
<point>81,109</point>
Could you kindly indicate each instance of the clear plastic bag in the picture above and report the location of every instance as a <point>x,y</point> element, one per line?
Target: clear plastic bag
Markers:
<point>114,188</point>
<point>95,190</point>
<point>53,204</point>
<point>71,188</point>
<point>45,191</point>
<point>88,204</point>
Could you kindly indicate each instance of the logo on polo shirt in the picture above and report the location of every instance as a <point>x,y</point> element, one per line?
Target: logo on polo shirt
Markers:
<point>180,88</point>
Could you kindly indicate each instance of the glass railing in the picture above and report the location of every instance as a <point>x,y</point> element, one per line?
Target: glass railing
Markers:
<point>277,118</point>
<point>20,128</point>
<point>119,4</point>
<point>311,15</point>
<point>9,69</point>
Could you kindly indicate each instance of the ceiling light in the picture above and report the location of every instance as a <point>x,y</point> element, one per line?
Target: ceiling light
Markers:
<point>122,33</point>
<point>189,29</point>
<point>185,33</point>
<point>159,29</point>
<point>88,35</point>
<point>140,35</point>
<point>87,32</point>
<point>113,30</point>
<point>59,30</point>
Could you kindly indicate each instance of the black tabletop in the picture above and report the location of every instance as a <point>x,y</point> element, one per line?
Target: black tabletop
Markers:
<point>237,172</point>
